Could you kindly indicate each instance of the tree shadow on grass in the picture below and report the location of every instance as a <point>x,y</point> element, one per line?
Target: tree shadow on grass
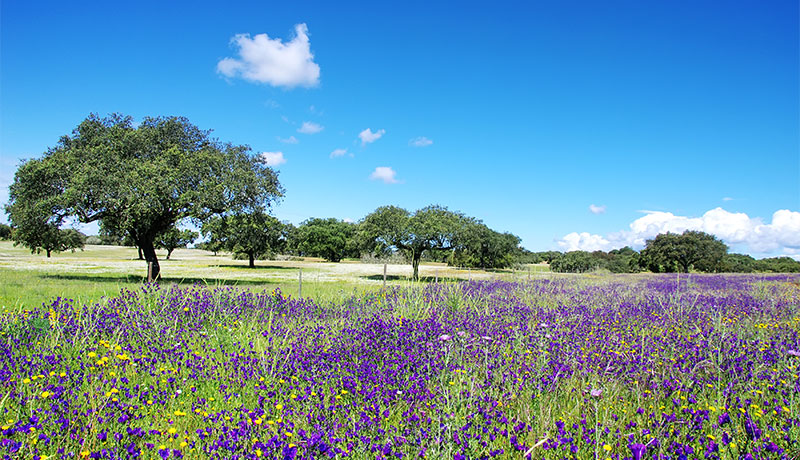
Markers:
<point>257,267</point>
<point>422,279</point>
<point>131,279</point>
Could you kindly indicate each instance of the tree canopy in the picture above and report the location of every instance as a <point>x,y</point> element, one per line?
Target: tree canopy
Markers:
<point>44,236</point>
<point>5,232</point>
<point>432,228</point>
<point>482,247</point>
<point>254,234</point>
<point>331,239</point>
<point>139,180</point>
<point>670,252</point>
<point>175,238</point>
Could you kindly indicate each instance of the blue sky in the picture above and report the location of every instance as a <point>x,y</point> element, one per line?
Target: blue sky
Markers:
<point>571,124</point>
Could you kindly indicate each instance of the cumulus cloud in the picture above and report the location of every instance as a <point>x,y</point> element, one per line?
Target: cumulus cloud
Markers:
<point>273,158</point>
<point>368,137</point>
<point>309,127</point>
<point>737,229</point>
<point>583,241</point>
<point>421,141</point>
<point>384,174</point>
<point>269,60</point>
<point>338,153</point>
<point>594,209</point>
<point>290,140</point>
<point>348,220</point>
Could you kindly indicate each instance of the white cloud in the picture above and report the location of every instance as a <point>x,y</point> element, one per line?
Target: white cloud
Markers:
<point>740,231</point>
<point>368,137</point>
<point>421,141</point>
<point>384,174</point>
<point>594,209</point>
<point>273,158</point>
<point>727,198</point>
<point>309,127</point>
<point>338,153</point>
<point>348,220</point>
<point>583,242</point>
<point>271,61</point>
<point>290,140</point>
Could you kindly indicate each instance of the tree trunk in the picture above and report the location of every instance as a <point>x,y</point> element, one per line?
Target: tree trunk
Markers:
<point>149,252</point>
<point>252,260</point>
<point>415,257</point>
<point>48,253</point>
<point>141,257</point>
<point>169,253</point>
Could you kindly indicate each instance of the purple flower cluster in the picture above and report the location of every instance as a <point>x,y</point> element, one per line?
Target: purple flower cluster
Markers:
<point>624,368</point>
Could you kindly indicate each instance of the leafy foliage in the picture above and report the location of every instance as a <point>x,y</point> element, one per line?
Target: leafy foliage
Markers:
<point>432,228</point>
<point>482,247</point>
<point>38,234</point>
<point>5,232</point>
<point>255,234</point>
<point>175,238</point>
<point>778,265</point>
<point>670,252</point>
<point>138,181</point>
<point>574,262</point>
<point>331,239</point>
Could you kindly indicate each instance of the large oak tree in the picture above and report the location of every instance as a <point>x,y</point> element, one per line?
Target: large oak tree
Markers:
<point>140,180</point>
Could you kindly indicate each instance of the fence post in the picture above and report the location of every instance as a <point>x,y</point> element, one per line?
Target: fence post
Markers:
<point>529,273</point>
<point>384,276</point>
<point>300,284</point>
<point>437,276</point>
<point>149,272</point>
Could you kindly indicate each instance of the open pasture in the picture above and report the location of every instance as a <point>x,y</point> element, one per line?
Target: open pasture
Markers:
<point>638,367</point>
<point>28,280</point>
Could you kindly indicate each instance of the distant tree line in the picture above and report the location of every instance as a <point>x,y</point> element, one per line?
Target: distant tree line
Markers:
<point>431,233</point>
<point>666,253</point>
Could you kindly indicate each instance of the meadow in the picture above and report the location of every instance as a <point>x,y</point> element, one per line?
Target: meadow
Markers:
<point>29,280</point>
<point>575,367</point>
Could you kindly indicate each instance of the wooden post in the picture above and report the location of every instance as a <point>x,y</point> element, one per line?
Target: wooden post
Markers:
<point>384,276</point>
<point>437,276</point>
<point>149,272</point>
<point>469,274</point>
<point>529,273</point>
<point>300,284</point>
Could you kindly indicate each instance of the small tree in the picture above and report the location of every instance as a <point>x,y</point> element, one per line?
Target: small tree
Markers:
<point>254,235</point>
<point>5,232</point>
<point>432,228</point>
<point>327,238</point>
<point>44,236</point>
<point>175,238</point>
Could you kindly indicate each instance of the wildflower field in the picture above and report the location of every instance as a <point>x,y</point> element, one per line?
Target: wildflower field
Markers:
<point>639,367</point>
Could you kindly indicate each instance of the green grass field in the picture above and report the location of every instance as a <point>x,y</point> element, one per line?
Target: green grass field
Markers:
<point>28,280</point>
